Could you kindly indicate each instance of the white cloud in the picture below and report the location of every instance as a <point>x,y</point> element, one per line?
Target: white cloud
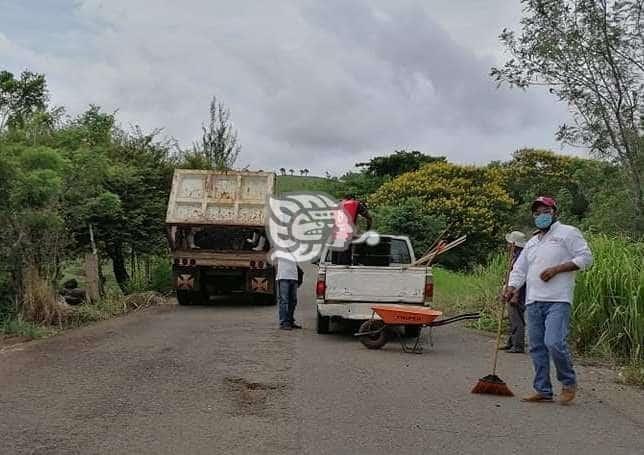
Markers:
<point>309,84</point>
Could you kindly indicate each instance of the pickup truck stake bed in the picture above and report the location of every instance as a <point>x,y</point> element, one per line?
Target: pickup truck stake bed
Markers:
<point>377,274</point>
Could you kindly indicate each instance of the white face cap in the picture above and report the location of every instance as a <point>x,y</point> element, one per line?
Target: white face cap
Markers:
<point>518,238</point>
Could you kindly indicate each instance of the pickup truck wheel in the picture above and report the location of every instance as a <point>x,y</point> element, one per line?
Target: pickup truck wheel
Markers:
<point>376,340</point>
<point>412,331</point>
<point>323,324</point>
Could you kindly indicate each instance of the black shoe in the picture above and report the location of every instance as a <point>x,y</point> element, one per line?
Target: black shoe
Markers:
<point>516,351</point>
<point>286,327</point>
<point>295,326</point>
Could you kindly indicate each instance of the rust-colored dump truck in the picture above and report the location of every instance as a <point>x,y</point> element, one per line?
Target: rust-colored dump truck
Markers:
<point>215,227</point>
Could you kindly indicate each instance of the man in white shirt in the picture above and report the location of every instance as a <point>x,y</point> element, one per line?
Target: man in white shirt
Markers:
<point>547,266</point>
<point>287,283</point>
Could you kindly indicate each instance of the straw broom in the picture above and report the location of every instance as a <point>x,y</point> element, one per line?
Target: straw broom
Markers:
<point>492,384</point>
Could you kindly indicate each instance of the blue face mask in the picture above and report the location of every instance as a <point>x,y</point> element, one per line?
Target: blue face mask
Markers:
<point>543,221</point>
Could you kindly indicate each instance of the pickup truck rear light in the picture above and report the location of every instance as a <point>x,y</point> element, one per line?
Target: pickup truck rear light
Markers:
<point>429,291</point>
<point>320,289</point>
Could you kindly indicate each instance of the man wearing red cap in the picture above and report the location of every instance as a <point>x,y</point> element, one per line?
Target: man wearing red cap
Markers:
<point>547,267</point>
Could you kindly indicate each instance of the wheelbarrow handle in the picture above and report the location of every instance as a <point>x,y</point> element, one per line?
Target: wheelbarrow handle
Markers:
<point>460,317</point>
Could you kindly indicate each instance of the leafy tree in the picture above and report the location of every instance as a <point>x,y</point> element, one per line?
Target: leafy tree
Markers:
<point>589,54</point>
<point>411,218</point>
<point>291,172</point>
<point>282,171</point>
<point>397,163</point>
<point>474,199</point>
<point>219,140</point>
<point>19,98</point>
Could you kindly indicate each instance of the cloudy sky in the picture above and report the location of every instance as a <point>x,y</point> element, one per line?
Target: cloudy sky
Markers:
<point>320,84</point>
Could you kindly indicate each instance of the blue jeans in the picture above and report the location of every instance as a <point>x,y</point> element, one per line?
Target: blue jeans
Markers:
<point>287,300</point>
<point>547,332</point>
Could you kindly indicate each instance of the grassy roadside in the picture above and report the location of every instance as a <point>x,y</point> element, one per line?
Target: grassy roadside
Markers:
<point>17,326</point>
<point>608,313</point>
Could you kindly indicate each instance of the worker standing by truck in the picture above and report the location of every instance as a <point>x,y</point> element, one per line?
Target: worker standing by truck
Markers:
<point>289,277</point>
<point>350,209</point>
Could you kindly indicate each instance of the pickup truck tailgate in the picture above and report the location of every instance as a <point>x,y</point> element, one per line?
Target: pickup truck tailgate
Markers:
<point>375,284</point>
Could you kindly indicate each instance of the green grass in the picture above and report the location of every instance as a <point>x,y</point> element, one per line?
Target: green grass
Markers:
<point>16,326</point>
<point>291,183</point>
<point>608,311</point>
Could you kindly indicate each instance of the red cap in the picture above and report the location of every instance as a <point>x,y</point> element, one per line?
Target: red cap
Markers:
<point>544,200</point>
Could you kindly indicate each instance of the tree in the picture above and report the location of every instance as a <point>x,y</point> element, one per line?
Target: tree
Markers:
<point>219,139</point>
<point>306,172</point>
<point>301,172</point>
<point>282,171</point>
<point>19,98</point>
<point>291,171</point>
<point>474,199</point>
<point>397,163</point>
<point>589,54</point>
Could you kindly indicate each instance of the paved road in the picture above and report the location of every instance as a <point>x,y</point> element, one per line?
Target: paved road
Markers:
<point>222,379</point>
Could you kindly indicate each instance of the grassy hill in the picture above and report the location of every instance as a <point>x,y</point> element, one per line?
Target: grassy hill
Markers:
<point>290,183</point>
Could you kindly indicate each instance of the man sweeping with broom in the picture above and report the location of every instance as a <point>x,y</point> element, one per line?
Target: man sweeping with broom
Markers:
<point>547,266</point>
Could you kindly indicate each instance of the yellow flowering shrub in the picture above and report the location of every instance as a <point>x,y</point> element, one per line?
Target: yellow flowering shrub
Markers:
<point>474,198</point>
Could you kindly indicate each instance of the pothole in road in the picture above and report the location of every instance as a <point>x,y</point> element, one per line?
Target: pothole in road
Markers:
<point>252,398</point>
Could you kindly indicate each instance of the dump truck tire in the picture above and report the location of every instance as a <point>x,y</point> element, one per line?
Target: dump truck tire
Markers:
<point>375,341</point>
<point>189,298</point>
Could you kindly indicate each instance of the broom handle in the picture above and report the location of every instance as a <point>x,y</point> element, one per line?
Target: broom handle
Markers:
<point>502,312</point>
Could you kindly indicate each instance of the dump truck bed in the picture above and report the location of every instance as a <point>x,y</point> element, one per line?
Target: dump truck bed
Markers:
<point>232,198</point>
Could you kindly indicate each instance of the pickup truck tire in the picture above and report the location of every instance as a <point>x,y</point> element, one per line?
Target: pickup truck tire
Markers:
<point>323,324</point>
<point>189,297</point>
<point>375,341</point>
<point>412,331</point>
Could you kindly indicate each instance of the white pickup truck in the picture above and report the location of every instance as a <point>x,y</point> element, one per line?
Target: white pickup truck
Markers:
<point>378,273</point>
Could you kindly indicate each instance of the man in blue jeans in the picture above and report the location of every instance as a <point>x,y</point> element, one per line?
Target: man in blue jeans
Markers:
<point>288,279</point>
<point>547,266</point>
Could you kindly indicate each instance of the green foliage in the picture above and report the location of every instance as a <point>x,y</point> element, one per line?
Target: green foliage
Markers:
<point>19,327</point>
<point>289,184</point>
<point>589,54</point>
<point>20,98</point>
<point>608,315</point>
<point>400,162</point>
<point>410,218</point>
<point>474,199</point>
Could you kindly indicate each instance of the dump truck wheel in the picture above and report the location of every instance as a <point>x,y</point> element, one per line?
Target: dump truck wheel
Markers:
<point>188,297</point>
<point>265,299</point>
<point>323,324</point>
<point>376,340</point>
<point>412,331</point>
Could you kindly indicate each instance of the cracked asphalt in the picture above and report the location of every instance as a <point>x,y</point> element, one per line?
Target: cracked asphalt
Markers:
<point>222,379</point>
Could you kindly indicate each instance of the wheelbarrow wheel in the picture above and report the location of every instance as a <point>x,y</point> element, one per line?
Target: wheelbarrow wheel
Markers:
<point>375,340</point>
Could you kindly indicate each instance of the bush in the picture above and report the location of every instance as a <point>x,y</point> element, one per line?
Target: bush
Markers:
<point>473,198</point>
<point>608,315</point>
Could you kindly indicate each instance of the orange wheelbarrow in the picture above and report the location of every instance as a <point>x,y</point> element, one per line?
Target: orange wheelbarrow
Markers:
<point>374,333</point>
